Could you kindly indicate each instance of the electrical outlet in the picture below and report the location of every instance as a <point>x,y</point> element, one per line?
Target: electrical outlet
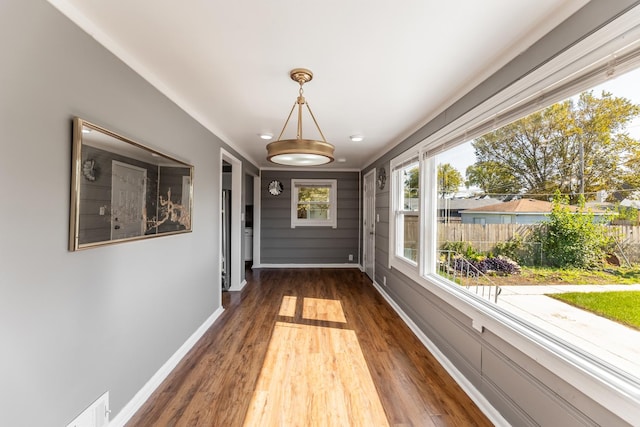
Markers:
<point>350,257</point>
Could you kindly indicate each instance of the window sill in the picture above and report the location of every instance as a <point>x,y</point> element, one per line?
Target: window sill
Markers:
<point>314,225</point>
<point>406,267</point>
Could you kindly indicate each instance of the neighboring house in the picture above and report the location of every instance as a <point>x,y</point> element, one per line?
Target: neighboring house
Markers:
<point>630,203</point>
<point>522,211</point>
<point>449,209</point>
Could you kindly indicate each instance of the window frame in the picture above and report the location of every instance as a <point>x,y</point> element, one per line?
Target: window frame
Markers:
<point>332,221</point>
<point>396,214</point>
<point>579,68</point>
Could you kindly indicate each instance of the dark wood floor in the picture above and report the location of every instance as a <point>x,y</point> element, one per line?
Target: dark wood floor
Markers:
<point>215,383</point>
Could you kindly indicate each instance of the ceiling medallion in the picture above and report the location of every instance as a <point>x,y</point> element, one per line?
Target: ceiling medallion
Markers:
<point>300,151</point>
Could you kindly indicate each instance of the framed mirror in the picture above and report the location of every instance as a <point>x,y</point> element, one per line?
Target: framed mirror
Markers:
<point>123,190</point>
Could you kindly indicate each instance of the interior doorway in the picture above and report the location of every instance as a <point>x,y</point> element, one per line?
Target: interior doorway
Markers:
<point>225,227</point>
<point>369,224</point>
<point>231,277</point>
<point>248,221</point>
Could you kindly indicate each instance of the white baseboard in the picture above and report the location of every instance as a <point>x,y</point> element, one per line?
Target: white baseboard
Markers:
<point>240,286</point>
<point>145,392</point>
<point>483,404</point>
<point>346,265</point>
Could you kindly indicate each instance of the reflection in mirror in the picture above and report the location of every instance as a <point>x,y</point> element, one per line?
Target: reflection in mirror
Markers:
<point>123,190</point>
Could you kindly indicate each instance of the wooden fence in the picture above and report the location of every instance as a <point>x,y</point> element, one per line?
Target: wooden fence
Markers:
<point>484,237</point>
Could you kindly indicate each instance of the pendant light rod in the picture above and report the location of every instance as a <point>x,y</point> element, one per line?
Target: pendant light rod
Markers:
<point>316,122</point>
<point>300,102</point>
<point>286,122</point>
<point>300,151</point>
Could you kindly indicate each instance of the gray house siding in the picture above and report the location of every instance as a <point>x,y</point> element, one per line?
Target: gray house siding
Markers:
<point>523,391</point>
<point>497,218</point>
<point>280,244</point>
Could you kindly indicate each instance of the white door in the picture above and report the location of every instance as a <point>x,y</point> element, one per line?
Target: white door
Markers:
<point>369,223</point>
<point>128,195</point>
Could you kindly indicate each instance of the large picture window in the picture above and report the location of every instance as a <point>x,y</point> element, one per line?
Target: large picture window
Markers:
<point>527,194</point>
<point>314,203</point>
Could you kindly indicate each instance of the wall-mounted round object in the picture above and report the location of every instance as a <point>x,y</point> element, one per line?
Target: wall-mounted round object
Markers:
<point>275,187</point>
<point>382,178</point>
<point>89,169</point>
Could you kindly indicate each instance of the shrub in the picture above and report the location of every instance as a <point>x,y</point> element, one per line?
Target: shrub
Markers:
<point>499,265</point>
<point>512,248</point>
<point>462,248</point>
<point>573,238</point>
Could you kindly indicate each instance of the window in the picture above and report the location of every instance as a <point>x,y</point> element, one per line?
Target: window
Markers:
<point>437,256</point>
<point>314,203</point>
<point>521,168</point>
<point>405,181</point>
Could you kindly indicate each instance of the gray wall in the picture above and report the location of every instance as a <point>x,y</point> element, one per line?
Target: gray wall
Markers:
<point>522,390</point>
<point>281,244</point>
<point>76,324</point>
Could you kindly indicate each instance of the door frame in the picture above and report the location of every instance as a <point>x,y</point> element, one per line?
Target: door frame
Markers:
<point>369,223</point>
<point>257,190</point>
<point>235,264</point>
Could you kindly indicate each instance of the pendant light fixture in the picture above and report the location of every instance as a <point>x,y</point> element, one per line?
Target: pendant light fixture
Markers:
<point>300,151</point>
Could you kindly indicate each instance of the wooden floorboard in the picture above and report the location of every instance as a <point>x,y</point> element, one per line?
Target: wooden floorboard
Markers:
<point>307,347</point>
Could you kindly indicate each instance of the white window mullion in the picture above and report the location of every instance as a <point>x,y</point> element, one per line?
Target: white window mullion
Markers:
<point>429,212</point>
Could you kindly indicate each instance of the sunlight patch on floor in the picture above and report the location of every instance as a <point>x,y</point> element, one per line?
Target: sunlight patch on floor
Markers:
<point>288,306</point>
<point>315,376</point>
<point>323,309</point>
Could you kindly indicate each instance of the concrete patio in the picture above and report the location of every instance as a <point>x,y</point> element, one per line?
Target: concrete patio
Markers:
<point>612,342</point>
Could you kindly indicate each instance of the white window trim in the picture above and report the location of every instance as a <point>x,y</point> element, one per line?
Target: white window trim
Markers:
<point>401,263</point>
<point>333,203</point>
<point>581,67</point>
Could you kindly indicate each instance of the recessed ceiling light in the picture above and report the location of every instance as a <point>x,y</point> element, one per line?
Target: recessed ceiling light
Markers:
<point>266,136</point>
<point>356,138</point>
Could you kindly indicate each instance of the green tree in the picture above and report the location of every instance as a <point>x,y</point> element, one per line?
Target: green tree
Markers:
<point>449,179</point>
<point>492,177</point>
<point>313,202</point>
<point>411,183</point>
<point>631,169</point>
<point>548,150</point>
<point>572,238</point>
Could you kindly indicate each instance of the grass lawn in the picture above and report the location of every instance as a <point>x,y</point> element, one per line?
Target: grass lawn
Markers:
<point>570,276</point>
<point>620,306</point>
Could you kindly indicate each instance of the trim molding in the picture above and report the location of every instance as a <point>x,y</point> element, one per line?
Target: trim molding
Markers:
<point>240,286</point>
<point>483,404</point>
<point>154,382</point>
<point>349,265</point>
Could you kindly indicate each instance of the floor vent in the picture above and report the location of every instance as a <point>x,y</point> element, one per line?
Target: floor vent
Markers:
<point>96,415</point>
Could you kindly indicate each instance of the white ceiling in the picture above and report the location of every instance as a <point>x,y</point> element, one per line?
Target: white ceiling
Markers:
<point>381,68</point>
